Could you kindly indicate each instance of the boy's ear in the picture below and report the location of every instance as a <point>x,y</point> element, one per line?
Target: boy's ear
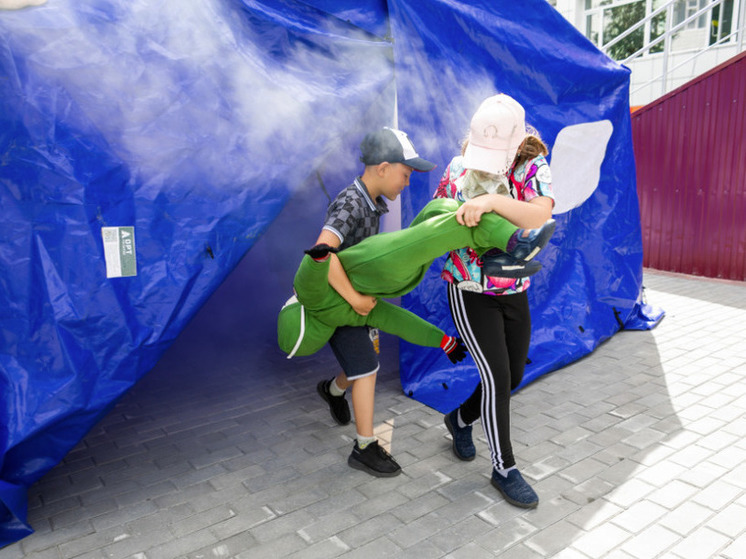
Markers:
<point>382,167</point>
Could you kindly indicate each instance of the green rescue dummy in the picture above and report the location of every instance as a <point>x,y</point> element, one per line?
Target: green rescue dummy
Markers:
<point>389,265</point>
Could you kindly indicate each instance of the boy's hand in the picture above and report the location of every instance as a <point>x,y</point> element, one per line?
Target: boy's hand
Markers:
<point>364,304</point>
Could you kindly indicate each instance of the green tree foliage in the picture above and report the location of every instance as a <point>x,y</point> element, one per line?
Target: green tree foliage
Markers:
<point>620,18</point>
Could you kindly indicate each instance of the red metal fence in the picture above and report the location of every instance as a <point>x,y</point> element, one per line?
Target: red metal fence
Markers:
<point>690,153</point>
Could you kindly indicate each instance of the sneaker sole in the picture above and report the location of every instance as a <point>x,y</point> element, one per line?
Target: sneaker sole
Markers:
<point>547,230</point>
<point>447,421</point>
<point>511,500</point>
<point>367,469</point>
<point>324,397</point>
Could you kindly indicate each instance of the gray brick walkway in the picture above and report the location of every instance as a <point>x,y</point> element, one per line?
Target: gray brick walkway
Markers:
<point>637,451</point>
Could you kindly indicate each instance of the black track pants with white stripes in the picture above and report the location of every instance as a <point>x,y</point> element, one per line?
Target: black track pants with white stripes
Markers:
<point>497,332</point>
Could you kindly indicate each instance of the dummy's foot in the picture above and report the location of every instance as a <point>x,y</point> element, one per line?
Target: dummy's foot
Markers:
<point>503,265</point>
<point>320,252</point>
<point>524,244</point>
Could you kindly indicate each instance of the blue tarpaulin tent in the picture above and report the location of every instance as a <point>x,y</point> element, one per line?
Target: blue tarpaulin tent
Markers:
<point>577,98</point>
<point>145,147</point>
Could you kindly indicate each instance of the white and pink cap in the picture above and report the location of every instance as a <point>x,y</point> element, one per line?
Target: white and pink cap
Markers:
<point>497,130</point>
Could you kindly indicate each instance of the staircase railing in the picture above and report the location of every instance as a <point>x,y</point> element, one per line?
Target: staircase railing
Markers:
<point>670,30</point>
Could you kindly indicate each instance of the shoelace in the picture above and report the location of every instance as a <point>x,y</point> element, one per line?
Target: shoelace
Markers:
<point>382,451</point>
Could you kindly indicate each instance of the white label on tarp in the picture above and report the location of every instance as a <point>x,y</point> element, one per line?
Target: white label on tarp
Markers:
<point>119,251</point>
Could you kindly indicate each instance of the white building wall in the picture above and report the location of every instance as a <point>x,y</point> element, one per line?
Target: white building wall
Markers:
<point>572,11</point>
<point>684,62</point>
<point>647,82</point>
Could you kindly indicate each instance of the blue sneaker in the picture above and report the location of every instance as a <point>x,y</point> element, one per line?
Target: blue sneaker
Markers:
<point>463,445</point>
<point>525,248</point>
<point>515,489</point>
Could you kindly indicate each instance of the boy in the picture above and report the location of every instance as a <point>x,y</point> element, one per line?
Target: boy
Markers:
<point>390,158</point>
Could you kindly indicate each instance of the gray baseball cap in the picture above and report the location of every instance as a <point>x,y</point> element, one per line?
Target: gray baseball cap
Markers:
<point>393,146</point>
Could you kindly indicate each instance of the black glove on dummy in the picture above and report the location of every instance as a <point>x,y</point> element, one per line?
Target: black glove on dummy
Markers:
<point>454,348</point>
<point>320,252</point>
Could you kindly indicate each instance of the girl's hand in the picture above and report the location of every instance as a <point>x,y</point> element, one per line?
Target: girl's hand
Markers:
<point>470,212</point>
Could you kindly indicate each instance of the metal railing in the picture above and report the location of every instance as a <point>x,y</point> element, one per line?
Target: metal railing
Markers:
<point>670,31</point>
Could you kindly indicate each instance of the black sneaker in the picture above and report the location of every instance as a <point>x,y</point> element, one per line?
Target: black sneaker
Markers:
<point>375,460</point>
<point>338,406</point>
<point>503,265</point>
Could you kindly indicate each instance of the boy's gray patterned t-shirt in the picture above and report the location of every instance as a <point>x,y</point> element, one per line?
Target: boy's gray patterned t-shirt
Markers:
<point>353,215</point>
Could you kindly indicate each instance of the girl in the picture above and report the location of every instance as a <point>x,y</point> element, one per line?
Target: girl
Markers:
<point>502,169</point>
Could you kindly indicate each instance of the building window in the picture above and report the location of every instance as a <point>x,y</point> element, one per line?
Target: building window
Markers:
<point>607,19</point>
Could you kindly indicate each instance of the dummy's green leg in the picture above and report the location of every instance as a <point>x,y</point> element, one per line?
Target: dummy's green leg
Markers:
<point>493,231</point>
<point>392,264</point>
<point>404,324</point>
<point>325,309</point>
<point>436,207</point>
<point>311,283</point>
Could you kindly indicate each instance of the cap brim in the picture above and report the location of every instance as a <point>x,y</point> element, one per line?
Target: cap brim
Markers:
<point>494,161</point>
<point>419,164</point>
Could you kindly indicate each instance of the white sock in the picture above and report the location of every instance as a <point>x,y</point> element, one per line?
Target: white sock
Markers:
<point>460,421</point>
<point>362,442</point>
<point>505,472</point>
<point>334,388</point>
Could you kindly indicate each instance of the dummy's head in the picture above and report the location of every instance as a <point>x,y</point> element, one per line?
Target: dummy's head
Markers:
<point>299,333</point>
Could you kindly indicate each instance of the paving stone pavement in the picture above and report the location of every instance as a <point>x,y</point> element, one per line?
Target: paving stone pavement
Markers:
<point>636,451</point>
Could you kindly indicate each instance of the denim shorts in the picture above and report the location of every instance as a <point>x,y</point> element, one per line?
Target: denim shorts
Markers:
<point>353,347</point>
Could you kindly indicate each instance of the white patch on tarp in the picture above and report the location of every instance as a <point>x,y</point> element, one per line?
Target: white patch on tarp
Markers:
<point>19,4</point>
<point>577,155</point>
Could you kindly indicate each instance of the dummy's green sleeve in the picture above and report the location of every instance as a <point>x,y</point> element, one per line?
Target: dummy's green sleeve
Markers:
<point>383,266</point>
